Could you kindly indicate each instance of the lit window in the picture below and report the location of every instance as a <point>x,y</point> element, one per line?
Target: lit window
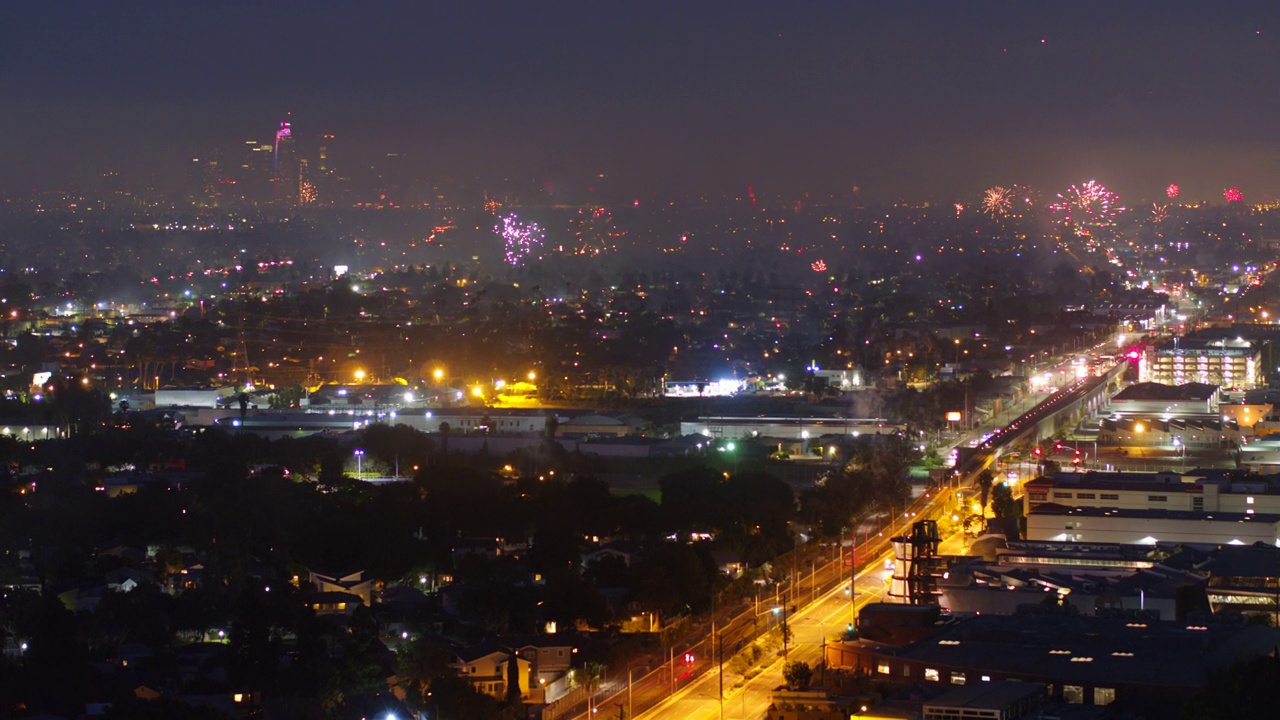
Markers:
<point>931,674</point>
<point>1248,500</point>
<point>1104,696</point>
<point>957,678</point>
<point>882,668</point>
<point>1073,694</point>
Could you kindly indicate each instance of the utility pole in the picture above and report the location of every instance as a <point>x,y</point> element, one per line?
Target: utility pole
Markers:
<point>716,655</point>
<point>853,576</point>
<point>718,648</point>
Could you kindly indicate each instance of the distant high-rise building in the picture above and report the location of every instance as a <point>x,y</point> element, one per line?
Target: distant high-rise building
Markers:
<point>323,166</point>
<point>306,189</point>
<point>285,168</point>
<point>238,176</point>
<point>332,188</point>
<point>325,177</point>
<point>211,171</point>
<point>258,172</point>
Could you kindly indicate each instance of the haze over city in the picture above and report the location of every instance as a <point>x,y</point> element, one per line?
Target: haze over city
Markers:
<point>910,101</point>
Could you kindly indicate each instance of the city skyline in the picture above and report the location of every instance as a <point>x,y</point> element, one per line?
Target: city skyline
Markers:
<point>915,101</point>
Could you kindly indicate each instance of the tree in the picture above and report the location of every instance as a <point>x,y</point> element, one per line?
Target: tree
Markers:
<point>365,660</point>
<point>513,678</point>
<point>797,674</point>
<point>396,446</point>
<point>836,500</point>
<point>983,482</point>
<point>287,397</point>
<point>1246,691</point>
<point>253,649</point>
<point>691,497</point>
<point>1002,502</point>
<point>131,707</point>
<point>672,579</point>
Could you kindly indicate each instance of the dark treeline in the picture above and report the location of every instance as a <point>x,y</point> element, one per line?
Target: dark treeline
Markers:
<point>252,517</point>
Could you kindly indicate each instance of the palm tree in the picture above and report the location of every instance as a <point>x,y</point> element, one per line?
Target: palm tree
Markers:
<point>983,482</point>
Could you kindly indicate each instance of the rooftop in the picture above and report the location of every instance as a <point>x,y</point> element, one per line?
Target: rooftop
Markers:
<point>1055,509</point>
<point>1192,481</point>
<point>1160,391</point>
<point>1108,650</point>
<point>1237,347</point>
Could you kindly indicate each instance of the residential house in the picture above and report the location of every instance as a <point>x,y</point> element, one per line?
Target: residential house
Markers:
<point>485,666</point>
<point>349,584</point>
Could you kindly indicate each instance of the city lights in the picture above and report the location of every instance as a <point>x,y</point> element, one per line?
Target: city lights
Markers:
<point>681,341</point>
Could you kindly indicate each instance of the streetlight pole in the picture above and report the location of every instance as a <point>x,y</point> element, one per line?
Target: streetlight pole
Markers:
<point>630,708</point>
<point>786,631</point>
<point>853,576</point>
<point>359,464</point>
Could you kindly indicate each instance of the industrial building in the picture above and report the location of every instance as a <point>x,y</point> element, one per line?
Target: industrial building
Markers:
<point>1126,658</point>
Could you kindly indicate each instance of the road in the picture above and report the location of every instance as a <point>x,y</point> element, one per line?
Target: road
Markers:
<point>721,694</point>
<point>811,626</point>
<point>689,683</point>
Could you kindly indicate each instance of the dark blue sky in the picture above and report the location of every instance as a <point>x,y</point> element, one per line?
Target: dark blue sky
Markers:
<point>904,99</point>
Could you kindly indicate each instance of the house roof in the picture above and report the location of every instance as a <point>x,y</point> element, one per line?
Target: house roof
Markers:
<point>482,649</point>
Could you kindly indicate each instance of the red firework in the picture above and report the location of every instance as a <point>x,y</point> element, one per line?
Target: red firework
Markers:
<point>1173,190</point>
<point>1233,194</point>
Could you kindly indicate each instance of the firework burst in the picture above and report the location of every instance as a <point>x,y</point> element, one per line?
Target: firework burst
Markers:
<point>997,201</point>
<point>1233,194</point>
<point>1087,207</point>
<point>594,232</point>
<point>1173,190</point>
<point>1159,213</point>
<point>519,237</point>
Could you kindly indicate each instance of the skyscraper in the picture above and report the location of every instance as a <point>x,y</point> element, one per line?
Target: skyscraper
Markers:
<point>306,189</point>
<point>285,168</point>
<point>330,187</point>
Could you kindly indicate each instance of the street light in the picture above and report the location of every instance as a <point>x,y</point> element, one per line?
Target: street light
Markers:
<point>359,464</point>
<point>359,376</point>
<point>630,673</point>
<point>781,609</point>
<point>438,374</point>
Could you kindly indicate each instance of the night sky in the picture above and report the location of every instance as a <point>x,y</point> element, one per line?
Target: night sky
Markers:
<point>912,100</point>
